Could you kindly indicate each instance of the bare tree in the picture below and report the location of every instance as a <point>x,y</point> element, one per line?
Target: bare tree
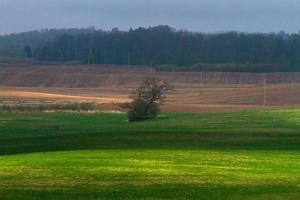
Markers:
<point>147,99</point>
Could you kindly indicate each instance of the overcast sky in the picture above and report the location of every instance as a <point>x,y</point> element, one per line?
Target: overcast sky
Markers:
<point>194,15</point>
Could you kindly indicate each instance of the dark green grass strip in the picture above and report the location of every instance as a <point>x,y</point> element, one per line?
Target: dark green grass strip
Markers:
<point>257,130</point>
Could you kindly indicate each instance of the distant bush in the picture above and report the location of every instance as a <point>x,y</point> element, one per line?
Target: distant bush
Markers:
<point>65,106</point>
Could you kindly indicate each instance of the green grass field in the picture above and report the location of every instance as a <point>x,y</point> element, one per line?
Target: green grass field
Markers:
<point>233,156</point>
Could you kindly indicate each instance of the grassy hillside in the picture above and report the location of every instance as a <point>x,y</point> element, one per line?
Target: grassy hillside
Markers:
<point>243,155</point>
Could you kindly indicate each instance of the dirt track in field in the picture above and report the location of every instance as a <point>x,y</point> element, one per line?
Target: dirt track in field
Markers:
<point>19,94</point>
<point>108,85</point>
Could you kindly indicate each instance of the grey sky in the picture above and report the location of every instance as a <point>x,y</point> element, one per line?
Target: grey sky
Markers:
<point>195,15</point>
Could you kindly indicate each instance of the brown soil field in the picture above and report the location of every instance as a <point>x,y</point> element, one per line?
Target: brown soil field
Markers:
<point>110,84</point>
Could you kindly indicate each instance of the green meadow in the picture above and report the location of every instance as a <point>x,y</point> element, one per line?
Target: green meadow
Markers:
<point>234,156</point>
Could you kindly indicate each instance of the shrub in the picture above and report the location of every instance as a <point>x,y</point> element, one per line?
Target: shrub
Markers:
<point>138,111</point>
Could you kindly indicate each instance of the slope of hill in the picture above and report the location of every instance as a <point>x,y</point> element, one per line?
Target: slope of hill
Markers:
<point>229,156</point>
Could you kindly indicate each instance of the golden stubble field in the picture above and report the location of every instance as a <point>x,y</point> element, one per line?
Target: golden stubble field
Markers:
<point>110,85</point>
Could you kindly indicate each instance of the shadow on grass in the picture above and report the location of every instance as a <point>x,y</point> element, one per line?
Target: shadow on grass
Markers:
<point>191,141</point>
<point>158,191</point>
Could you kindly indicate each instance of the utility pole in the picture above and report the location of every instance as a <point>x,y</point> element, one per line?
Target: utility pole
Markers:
<point>105,58</point>
<point>293,94</point>
<point>225,85</point>
<point>201,79</point>
<point>265,90</point>
<point>91,57</point>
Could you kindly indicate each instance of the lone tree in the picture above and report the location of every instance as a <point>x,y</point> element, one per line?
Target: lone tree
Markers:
<point>147,99</point>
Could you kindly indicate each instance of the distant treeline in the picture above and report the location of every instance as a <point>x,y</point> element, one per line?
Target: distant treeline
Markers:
<point>163,46</point>
<point>13,45</point>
